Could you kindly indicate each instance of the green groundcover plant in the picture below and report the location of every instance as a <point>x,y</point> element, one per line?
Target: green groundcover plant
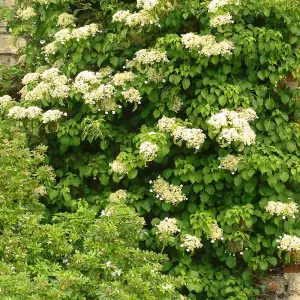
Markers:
<point>186,111</point>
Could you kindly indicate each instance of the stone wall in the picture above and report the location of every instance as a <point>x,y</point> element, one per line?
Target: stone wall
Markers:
<point>7,49</point>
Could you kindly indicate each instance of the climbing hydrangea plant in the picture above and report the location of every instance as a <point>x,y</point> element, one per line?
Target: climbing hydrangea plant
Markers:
<point>187,111</point>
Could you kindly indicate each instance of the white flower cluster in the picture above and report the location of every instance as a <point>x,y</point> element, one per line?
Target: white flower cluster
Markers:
<point>63,35</point>
<point>18,112</point>
<point>49,84</point>
<point>66,20</point>
<point>40,191</point>
<point>132,95</point>
<point>141,18</point>
<point>94,92</point>
<point>154,76</point>
<point>25,13</point>
<point>118,196</point>
<point>148,150</point>
<point>85,31</point>
<point>33,112</point>
<point>214,5</point>
<point>120,79</point>
<point>5,101</point>
<point>206,45</point>
<point>116,273</point>
<point>289,243</point>
<point>31,78</point>
<point>167,226</point>
<point>103,96</point>
<point>121,15</point>
<point>105,72</point>
<point>216,233</point>
<point>234,126</point>
<point>118,167</point>
<point>66,34</point>
<point>190,243</point>
<point>150,56</point>
<point>168,192</point>
<point>220,20</point>
<point>45,2</point>
<point>193,137</point>
<point>130,64</point>
<point>166,124</point>
<point>248,114</point>
<point>195,42</point>
<point>168,287</point>
<point>106,213</point>
<point>280,208</point>
<point>84,80</point>
<point>146,4</point>
<point>230,162</point>
<point>51,48</point>
<point>52,115</point>
<point>177,104</point>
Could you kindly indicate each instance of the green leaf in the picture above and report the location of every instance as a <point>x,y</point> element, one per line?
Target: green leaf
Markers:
<point>222,100</point>
<point>246,275</point>
<point>238,180</point>
<point>132,173</point>
<point>211,98</point>
<point>269,103</point>
<point>263,264</point>
<point>270,229</point>
<point>166,206</point>
<point>285,98</point>
<point>192,207</point>
<point>226,69</point>
<point>186,83</point>
<point>247,255</point>
<point>104,179</point>
<point>249,186</point>
<point>197,187</point>
<point>284,176</point>
<point>272,260</point>
<point>175,79</point>
<point>153,97</point>
<point>146,205</point>
<point>231,261</point>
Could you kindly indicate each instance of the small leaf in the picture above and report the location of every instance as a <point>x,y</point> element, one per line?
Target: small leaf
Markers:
<point>231,262</point>
<point>263,265</point>
<point>192,207</point>
<point>284,176</point>
<point>270,229</point>
<point>238,180</point>
<point>272,260</point>
<point>186,83</point>
<point>104,179</point>
<point>132,173</point>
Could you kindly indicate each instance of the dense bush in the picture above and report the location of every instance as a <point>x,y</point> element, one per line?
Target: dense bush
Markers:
<point>189,108</point>
<point>71,255</point>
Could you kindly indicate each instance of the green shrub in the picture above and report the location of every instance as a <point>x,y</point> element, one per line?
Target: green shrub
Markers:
<point>78,255</point>
<point>192,107</point>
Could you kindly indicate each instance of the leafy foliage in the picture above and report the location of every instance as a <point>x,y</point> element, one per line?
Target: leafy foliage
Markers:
<point>255,66</point>
<point>73,255</point>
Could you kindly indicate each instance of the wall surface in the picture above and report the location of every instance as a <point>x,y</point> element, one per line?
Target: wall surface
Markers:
<point>7,50</point>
